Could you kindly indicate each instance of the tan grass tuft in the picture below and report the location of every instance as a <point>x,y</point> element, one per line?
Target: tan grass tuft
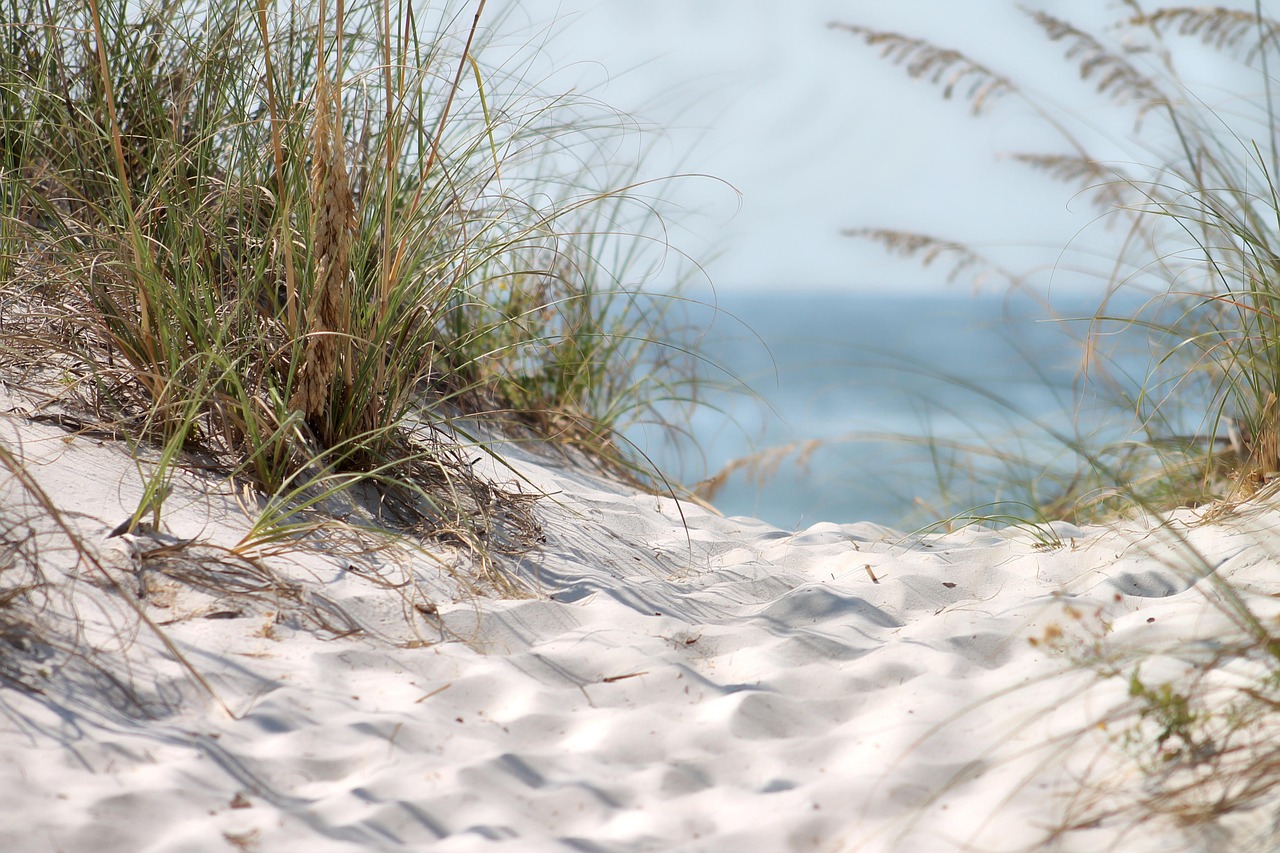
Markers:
<point>333,225</point>
<point>950,69</point>
<point>1106,187</point>
<point>927,249</point>
<point>1218,27</point>
<point>1112,74</point>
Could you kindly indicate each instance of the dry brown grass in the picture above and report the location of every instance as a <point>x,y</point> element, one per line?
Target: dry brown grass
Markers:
<point>333,223</point>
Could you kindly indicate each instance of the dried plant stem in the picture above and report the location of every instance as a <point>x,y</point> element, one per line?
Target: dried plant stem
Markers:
<point>14,465</point>
<point>333,225</point>
<point>384,281</point>
<point>126,196</point>
<point>109,95</point>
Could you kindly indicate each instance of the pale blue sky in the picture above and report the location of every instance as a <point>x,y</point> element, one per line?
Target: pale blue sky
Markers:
<point>814,130</point>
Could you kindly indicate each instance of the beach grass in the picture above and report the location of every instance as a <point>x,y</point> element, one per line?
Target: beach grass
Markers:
<point>1191,221</point>
<point>310,242</point>
<point>329,257</point>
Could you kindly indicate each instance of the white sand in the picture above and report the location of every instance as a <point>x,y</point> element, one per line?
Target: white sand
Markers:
<point>680,682</point>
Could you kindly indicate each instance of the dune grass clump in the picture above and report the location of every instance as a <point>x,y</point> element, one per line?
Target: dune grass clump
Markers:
<point>1194,240</point>
<point>303,240</point>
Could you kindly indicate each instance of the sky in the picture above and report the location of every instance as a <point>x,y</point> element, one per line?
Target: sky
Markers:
<point>814,132</point>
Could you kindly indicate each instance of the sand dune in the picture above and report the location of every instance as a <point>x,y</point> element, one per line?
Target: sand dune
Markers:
<point>678,681</point>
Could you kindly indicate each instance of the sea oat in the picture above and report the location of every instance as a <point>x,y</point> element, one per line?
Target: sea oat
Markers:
<point>333,211</point>
<point>950,69</point>
<point>1217,27</point>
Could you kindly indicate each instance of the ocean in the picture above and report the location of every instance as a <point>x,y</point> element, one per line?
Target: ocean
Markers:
<point>912,406</point>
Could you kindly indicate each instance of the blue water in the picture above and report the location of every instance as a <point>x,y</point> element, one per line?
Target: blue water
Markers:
<point>887,385</point>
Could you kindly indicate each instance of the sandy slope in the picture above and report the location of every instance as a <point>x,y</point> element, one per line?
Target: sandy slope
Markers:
<point>681,681</point>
